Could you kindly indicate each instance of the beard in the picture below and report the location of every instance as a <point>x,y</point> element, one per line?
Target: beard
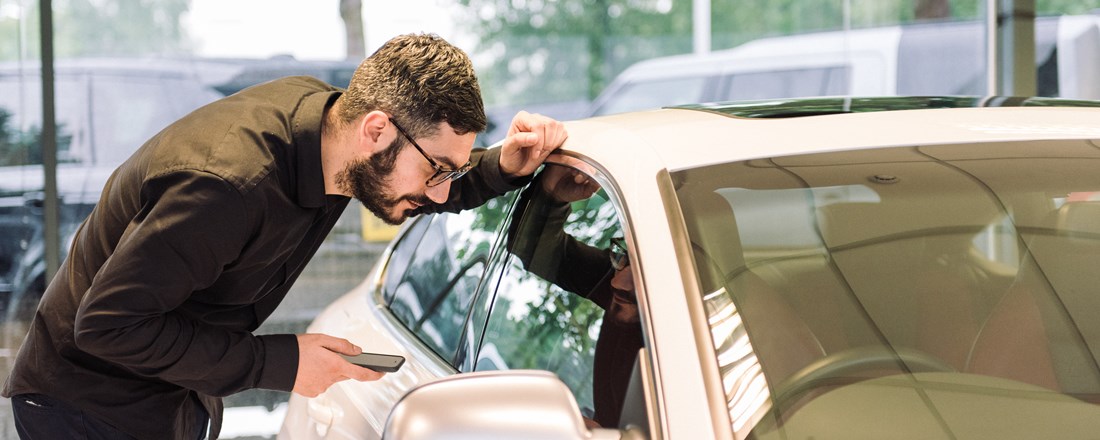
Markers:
<point>368,181</point>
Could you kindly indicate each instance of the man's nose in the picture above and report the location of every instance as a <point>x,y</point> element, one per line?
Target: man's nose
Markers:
<point>439,193</point>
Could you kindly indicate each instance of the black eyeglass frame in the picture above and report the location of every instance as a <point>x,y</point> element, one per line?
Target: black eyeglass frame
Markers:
<point>618,255</point>
<point>441,174</point>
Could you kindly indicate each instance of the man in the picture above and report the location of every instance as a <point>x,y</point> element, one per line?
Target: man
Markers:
<point>199,235</point>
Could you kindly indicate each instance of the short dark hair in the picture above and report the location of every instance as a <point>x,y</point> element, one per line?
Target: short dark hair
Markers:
<point>421,80</point>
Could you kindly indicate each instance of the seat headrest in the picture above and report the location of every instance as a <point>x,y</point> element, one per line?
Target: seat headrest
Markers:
<point>1079,217</point>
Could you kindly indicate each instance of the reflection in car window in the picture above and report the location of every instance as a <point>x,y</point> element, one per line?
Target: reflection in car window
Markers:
<point>102,119</point>
<point>937,264</point>
<point>401,256</point>
<point>557,282</point>
<point>21,118</point>
<point>434,292</point>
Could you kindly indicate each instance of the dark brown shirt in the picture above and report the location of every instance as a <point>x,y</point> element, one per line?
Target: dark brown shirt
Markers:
<point>194,242</point>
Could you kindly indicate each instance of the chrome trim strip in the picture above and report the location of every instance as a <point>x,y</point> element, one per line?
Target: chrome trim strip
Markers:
<point>649,390</point>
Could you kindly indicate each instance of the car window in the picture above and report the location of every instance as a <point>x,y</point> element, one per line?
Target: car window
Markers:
<point>101,118</point>
<point>432,295</point>
<point>556,281</point>
<point>21,118</point>
<point>850,271</point>
<point>131,109</point>
<point>401,256</point>
<point>824,81</point>
<point>655,93</point>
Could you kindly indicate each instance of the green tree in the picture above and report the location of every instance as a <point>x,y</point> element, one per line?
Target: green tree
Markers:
<point>564,50</point>
<point>97,28</point>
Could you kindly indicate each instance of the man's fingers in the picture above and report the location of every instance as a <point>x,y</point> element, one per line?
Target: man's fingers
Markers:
<point>362,374</point>
<point>521,141</point>
<point>340,345</point>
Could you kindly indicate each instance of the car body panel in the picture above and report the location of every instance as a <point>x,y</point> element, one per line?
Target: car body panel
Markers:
<point>703,140</point>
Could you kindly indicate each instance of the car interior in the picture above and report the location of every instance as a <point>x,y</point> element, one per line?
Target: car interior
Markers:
<point>962,259</point>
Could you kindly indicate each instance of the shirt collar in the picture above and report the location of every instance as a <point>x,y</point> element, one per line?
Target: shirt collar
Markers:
<point>307,145</point>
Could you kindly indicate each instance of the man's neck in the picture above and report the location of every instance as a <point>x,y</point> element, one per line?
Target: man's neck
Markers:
<point>334,149</point>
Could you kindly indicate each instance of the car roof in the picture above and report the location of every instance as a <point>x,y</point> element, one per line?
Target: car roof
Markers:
<point>692,136</point>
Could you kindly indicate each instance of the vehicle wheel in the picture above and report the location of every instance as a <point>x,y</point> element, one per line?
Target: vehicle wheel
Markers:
<point>858,359</point>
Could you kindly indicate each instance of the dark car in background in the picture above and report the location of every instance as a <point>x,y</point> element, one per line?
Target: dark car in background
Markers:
<point>105,109</point>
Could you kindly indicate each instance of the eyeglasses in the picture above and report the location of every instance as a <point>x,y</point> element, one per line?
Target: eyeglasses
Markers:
<point>441,174</point>
<point>619,258</point>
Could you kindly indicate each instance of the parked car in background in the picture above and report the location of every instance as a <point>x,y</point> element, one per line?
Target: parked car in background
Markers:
<point>905,268</point>
<point>922,59</point>
<point>105,110</point>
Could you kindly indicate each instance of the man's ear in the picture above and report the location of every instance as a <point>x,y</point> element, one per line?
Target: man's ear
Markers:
<point>371,132</point>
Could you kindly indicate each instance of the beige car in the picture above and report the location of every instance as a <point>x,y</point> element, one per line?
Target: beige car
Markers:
<point>832,268</point>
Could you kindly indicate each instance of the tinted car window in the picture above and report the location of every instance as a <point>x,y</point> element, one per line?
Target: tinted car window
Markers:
<point>549,308</point>
<point>433,296</point>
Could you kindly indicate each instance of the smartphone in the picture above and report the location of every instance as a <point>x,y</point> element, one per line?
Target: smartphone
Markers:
<point>387,363</point>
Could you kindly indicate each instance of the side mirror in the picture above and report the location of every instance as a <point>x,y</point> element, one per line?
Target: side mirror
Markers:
<point>506,404</point>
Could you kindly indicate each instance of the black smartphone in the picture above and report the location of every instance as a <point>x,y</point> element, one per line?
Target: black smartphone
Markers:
<point>387,363</point>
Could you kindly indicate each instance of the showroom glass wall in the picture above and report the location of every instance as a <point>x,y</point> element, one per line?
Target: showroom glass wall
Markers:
<point>126,68</point>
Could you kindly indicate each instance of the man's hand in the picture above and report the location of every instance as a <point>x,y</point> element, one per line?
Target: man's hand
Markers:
<point>566,184</point>
<point>320,364</point>
<point>531,137</point>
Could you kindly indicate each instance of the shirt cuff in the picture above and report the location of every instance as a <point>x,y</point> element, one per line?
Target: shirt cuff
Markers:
<point>280,365</point>
<point>494,177</point>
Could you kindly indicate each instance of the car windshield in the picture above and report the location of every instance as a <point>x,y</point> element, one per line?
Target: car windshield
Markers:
<point>934,291</point>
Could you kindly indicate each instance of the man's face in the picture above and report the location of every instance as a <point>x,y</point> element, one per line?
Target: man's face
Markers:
<point>392,182</point>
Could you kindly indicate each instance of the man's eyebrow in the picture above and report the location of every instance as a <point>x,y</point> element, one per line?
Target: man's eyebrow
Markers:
<point>447,162</point>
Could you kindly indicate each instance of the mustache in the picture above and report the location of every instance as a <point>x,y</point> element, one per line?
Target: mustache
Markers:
<point>419,199</point>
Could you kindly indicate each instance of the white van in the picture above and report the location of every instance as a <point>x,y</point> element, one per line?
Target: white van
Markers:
<point>944,58</point>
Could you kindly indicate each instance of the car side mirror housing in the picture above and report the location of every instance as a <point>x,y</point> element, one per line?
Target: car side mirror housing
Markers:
<point>507,404</point>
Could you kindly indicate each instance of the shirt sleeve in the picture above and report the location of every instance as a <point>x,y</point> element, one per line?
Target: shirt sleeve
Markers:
<point>190,225</point>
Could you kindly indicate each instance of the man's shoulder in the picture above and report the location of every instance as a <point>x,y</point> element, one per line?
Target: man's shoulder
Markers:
<point>293,86</point>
